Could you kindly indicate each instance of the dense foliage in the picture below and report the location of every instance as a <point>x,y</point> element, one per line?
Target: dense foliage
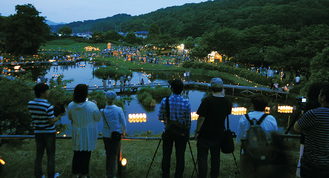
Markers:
<point>115,72</point>
<point>25,31</point>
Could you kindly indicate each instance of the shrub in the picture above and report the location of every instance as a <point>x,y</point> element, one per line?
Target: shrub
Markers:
<point>114,72</point>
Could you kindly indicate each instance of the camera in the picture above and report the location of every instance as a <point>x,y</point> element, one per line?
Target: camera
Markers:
<point>301,99</point>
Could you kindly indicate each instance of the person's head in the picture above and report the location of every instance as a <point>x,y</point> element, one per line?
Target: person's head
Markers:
<point>314,91</point>
<point>80,93</point>
<point>41,90</point>
<point>324,95</point>
<point>216,85</point>
<point>259,102</point>
<point>110,97</point>
<point>177,86</point>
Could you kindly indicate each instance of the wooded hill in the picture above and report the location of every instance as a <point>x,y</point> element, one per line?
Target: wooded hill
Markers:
<point>196,19</point>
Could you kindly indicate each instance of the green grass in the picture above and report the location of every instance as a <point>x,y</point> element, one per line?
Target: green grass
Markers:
<point>20,154</point>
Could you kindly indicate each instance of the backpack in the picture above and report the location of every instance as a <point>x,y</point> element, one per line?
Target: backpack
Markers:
<point>256,146</point>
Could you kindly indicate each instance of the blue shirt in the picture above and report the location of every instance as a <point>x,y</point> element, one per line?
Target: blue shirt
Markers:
<point>180,109</point>
<point>115,118</point>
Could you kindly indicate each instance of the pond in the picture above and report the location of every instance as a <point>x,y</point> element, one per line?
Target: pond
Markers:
<point>82,72</point>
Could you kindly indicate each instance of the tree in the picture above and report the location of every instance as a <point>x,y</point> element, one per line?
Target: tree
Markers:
<point>98,36</point>
<point>189,43</point>
<point>25,31</point>
<point>154,33</point>
<point>319,66</point>
<point>15,118</point>
<point>131,38</point>
<point>225,41</point>
<point>65,30</point>
<point>200,51</point>
<point>112,35</point>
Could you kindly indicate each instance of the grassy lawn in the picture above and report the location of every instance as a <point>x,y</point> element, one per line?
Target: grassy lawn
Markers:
<point>20,154</point>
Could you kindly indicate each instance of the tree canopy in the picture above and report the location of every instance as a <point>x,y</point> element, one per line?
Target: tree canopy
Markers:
<point>25,31</point>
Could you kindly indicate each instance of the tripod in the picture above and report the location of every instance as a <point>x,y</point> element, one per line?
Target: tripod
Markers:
<point>300,110</point>
<point>189,144</point>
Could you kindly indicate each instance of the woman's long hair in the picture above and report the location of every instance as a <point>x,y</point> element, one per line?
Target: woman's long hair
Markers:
<point>80,93</point>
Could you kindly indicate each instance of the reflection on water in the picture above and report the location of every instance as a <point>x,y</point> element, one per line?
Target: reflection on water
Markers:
<point>82,72</point>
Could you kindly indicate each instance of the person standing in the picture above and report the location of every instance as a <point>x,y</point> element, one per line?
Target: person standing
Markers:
<point>179,111</point>
<point>114,127</point>
<point>312,103</point>
<point>84,116</point>
<point>43,118</point>
<point>248,167</point>
<point>315,125</point>
<point>210,128</point>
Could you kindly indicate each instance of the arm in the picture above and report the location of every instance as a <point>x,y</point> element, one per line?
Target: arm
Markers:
<point>55,119</point>
<point>123,122</point>
<point>199,124</point>
<point>297,127</point>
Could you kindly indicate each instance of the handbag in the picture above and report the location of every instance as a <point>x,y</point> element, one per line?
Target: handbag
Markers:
<point>227,143</point>
<point>115,135</point>
<point>173,128</point>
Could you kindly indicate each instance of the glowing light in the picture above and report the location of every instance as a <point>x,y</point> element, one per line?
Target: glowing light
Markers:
<point>239,110</point>
<point>285,109</point>
<point>137,118</point>
<point>90,48</point>
<point>64,135</point>
<point>267,110</point>
<point>58,132</point>
<point>124,162</point>
<point>17,67</point>
<point>2,162</point>
<point>194,116</point>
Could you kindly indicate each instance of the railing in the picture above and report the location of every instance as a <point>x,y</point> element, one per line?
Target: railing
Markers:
<point>125,138</point>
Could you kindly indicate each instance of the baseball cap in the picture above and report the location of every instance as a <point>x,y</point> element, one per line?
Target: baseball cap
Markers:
<point>216,83</point>
<point>110,96</point>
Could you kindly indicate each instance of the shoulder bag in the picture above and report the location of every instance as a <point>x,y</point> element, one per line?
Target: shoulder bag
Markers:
<point>115,135</point>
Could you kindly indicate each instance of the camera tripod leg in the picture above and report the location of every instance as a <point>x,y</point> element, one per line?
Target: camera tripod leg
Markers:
<point>148,171</point>
<point>195,169</point>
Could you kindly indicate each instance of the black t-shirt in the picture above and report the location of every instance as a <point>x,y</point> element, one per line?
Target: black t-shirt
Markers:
<point>215,110</point>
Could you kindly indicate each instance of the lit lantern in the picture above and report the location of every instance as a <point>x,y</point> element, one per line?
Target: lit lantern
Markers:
<point>2,162</point>
<point>64,135</point>
<point>285,109</point>
<point>239,110</point>
<point>17,67</point>
<point>124,162</point>
<point>267,110</point>
<point>194,116</point>
<point>136,118</point>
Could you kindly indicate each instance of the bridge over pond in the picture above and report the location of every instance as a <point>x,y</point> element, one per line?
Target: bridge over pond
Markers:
<point>244,90</point>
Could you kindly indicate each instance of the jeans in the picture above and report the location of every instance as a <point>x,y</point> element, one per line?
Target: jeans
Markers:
<point>112,150</point>
<point>180,145</point>
<point>203,147</point>
<point>45,141</point>
<point>80,163</point>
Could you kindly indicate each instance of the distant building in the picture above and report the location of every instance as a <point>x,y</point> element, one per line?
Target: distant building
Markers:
<point>141,34</point>
<point>86,35</point>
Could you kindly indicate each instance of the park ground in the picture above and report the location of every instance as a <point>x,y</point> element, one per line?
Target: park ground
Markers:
<point>19,156</point>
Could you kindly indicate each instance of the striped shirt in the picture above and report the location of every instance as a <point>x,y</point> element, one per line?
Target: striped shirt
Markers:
<point>41,111</point>
<point>315,124</point>
<point>180,109</point>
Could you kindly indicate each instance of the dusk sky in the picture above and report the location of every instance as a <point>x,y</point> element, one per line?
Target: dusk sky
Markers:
<point>78,10</point>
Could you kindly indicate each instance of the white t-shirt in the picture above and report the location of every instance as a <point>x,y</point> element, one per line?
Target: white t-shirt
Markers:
<point>84,117</point>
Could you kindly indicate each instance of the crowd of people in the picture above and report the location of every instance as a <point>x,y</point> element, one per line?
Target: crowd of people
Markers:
<point>175,111</point>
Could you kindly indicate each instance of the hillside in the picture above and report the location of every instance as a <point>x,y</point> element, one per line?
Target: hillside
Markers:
<point>195,19</point>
